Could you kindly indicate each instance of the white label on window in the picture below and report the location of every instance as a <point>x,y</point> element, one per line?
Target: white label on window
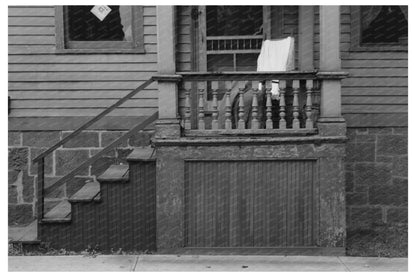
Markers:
<point>101,11</point>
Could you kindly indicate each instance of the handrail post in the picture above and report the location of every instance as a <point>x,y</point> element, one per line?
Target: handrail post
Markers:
<point>39,189</point>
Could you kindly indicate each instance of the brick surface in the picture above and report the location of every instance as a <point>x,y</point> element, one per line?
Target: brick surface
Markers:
<point>14,139</point>
<point>20,214</point>
<point>12,192</point>
<point>392,145</point>
<point>34,152</point>
<point>395,194</point>
<point>101,165</point>
<point>356,198</point>
<point>380,131</point>
<point>40,139</point>
<point>13,176</point>
<point>111,153</point>
<point>67,160</point>
<point>58,192</point>
<point>361,217</point>
<point>397,215</point>
<point>141,139</point>
<point>122,154</point>
<point>349,181</point>
<point>367,174</point>
<point>365,138</point>
<point>84,139</point>
<point>400,165</point>
<point>75,185</point>
<point>400,131</point>
<point>109,137</point>
<point>360,152</point>
<point>18,158</point>
<point>384,159</point>
<point>28,188</point>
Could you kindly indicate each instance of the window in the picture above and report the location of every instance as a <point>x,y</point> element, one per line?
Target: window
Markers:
<point>379,28</point>
<point>114,29</point>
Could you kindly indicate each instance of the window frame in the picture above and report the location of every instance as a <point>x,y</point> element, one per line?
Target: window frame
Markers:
<point>63,45</point>
<point>357,46</point>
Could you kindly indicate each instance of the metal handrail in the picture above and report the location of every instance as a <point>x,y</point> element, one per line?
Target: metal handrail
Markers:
<point>40,160</point>
<point>95,119</point>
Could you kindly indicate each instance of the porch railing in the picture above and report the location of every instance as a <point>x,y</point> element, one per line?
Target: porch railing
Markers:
<point>249,102</point>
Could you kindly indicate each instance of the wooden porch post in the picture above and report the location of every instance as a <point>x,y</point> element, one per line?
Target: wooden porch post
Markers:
<point>168,123</point>
<point>329,71</point>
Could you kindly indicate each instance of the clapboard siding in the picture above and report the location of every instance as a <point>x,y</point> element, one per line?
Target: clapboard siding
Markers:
<point>183,46</point>
<point>43,83</point>
<point>375,93</point>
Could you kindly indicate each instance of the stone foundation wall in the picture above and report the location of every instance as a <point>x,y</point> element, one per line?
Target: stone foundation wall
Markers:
<point>25,146</point>
<point>376,177</point>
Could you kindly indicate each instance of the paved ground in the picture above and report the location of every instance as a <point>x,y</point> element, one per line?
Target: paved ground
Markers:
<point>204,263</point>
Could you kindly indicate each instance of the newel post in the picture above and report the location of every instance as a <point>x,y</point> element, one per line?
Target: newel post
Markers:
<point>168,124</point>
<point>331,121</point>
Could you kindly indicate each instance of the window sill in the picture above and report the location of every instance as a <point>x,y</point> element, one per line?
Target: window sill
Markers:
<point>100,51</point>
<point>379,48</point>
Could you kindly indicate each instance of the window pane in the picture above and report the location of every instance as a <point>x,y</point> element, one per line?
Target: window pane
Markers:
<point>83,25</point>
<point>383,24</point>
<point>234,20</point>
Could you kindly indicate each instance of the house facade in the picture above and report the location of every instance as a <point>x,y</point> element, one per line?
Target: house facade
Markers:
<point>233,167</point>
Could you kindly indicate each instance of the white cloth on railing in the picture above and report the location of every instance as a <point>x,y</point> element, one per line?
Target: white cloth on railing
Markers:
<point>276,55</point>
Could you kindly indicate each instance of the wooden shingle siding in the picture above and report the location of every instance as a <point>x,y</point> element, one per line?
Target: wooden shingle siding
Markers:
<point>45,84</point>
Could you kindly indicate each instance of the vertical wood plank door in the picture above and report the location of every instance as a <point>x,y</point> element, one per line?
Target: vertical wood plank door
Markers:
<point>251,203</point>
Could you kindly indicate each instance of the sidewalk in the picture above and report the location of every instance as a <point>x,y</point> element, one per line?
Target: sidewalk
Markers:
<point>204,263</point>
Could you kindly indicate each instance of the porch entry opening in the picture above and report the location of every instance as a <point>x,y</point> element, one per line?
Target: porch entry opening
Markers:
<point>261,203</point>
<point>234,37</point>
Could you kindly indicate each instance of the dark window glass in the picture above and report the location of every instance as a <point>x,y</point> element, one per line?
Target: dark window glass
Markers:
<point>234,20</point>
<point>383,24</point>
<point>83,25</point>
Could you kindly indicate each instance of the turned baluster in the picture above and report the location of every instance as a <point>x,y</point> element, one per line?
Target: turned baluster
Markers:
<point>228,125</point>
<point>269,122</point>
<point>241,123</point>
<point>187,121</point>
<point>255,106</point>
<point>282,90</point>
<point>295,87</point>
<point>309,86</point>
<point>214,87</point>
<point>201,111</point>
